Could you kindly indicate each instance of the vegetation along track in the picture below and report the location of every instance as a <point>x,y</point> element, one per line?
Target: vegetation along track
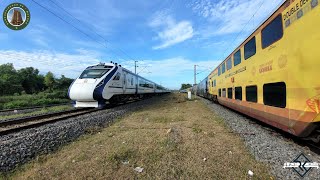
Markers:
<point>35,107</point>
<point>15,125</point>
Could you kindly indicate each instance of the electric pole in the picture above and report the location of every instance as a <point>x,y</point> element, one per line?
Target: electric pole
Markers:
<point>195,80</point>
<point>135,67</point>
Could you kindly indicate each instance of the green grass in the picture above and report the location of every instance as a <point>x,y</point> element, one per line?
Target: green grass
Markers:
<point>29,100</point>
<point>41,111</point>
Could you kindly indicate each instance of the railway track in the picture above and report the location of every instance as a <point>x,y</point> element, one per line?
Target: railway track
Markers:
<point>312,143</point>
<point>16,125</point>
<point>34,107</point>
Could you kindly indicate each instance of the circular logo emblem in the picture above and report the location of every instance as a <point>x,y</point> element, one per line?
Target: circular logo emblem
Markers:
<point>16,16</point>
<point>282,61</point>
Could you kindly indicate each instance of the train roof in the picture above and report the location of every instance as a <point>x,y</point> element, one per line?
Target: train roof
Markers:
<point>111,65</point>
<point>269,18</point>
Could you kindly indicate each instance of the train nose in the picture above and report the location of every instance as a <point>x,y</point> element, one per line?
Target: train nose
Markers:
<point>82,90</point>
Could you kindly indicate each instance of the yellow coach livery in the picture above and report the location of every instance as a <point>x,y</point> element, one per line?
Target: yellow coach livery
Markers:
<point>274,74</point>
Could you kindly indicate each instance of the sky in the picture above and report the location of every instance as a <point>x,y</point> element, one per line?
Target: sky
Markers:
<point>166,37</point>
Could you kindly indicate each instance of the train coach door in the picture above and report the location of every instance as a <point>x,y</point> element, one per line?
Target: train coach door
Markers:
<point>124,82</point>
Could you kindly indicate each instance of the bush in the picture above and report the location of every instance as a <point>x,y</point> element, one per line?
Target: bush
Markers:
<point>40,99</point>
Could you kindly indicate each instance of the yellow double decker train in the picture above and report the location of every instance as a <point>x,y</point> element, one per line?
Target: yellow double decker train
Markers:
<point>274,74</point>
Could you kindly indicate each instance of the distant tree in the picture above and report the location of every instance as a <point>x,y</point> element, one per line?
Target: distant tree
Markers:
<point>10,81</point>
<point>40,82</point>
<point>49,81</point>
<point>185,86</point>
<point>63,83</point>
<point>30,80</point>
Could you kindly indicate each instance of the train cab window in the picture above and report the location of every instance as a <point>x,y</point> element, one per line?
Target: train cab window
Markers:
<point>93,73</point>
<point>250,48</point>
<point>229,64</point>
<point>238,93</point>
<point>224,94</point>
<point>219,92</point>
<point>219,71</point>
<point>274,94</point>
<point>230,93</point>
<point>117,77</point>
<point>272,32</point>
<point>223,67</point>
<point>237,58</point>
<point>252,94</point>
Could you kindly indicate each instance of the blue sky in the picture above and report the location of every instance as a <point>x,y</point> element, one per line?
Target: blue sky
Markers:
<point>167,37</point>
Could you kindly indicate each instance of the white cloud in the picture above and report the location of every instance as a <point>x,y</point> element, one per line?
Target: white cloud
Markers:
<point>170,32</point>
<point>173,72</point>
<point>231,16</point>
<point>70,65</point>
<point>170,72</point>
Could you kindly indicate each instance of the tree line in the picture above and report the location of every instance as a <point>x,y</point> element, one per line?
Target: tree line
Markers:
<point>185,86</point>
<point>29,81</point>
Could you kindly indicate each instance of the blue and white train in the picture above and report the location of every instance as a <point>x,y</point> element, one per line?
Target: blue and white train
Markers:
<point>109,82</point>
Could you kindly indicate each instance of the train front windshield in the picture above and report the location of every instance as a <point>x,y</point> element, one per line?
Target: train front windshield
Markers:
<point>93,73</point>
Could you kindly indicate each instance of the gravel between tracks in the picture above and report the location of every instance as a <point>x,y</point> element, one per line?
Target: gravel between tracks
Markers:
<point>266,145</point>
<point>23,146</point>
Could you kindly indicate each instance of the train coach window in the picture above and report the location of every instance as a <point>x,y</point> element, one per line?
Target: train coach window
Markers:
<point>252,94</point>
<point>274,94</point>
<point>214,83</point>
<point>219,71</point>
<point>141,83</point>
<point>238,93</point>
<point>219,92</point>
<point>237,58</point>
<point>224,94</point>
<point>272,32</point>
<point>223,67</point>
<point>250,48</point>
<point>230,93</point>
<point>229,64</point>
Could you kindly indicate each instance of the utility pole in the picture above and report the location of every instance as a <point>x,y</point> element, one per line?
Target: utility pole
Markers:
<point>195,80</point>
<point>135,67</point>
<point>136,81</point>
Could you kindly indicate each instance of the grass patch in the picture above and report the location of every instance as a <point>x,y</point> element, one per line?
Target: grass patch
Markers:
<point>93,130</point>
<point>122,156</point>
<point>29,100</point>
<point>160,119</point>
<point>41,111</point>
<point>168,139</point>
<point>196,129</point>
<point>169,144</point>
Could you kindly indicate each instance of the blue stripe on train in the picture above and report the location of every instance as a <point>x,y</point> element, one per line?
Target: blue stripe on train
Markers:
<point>97,93</point>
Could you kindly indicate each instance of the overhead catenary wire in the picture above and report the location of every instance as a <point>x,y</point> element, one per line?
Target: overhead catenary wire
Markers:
<point>104,39</point>
<point>237,36</point>
<point>247,23</point>
<point>78,29</point>
<point>103,44</point>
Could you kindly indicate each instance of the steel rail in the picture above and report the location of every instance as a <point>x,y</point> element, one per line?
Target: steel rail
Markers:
<point>15,125</point>
<point>34,107</point>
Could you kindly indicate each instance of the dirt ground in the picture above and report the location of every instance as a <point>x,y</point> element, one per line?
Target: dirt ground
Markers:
<point>173,139</point>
